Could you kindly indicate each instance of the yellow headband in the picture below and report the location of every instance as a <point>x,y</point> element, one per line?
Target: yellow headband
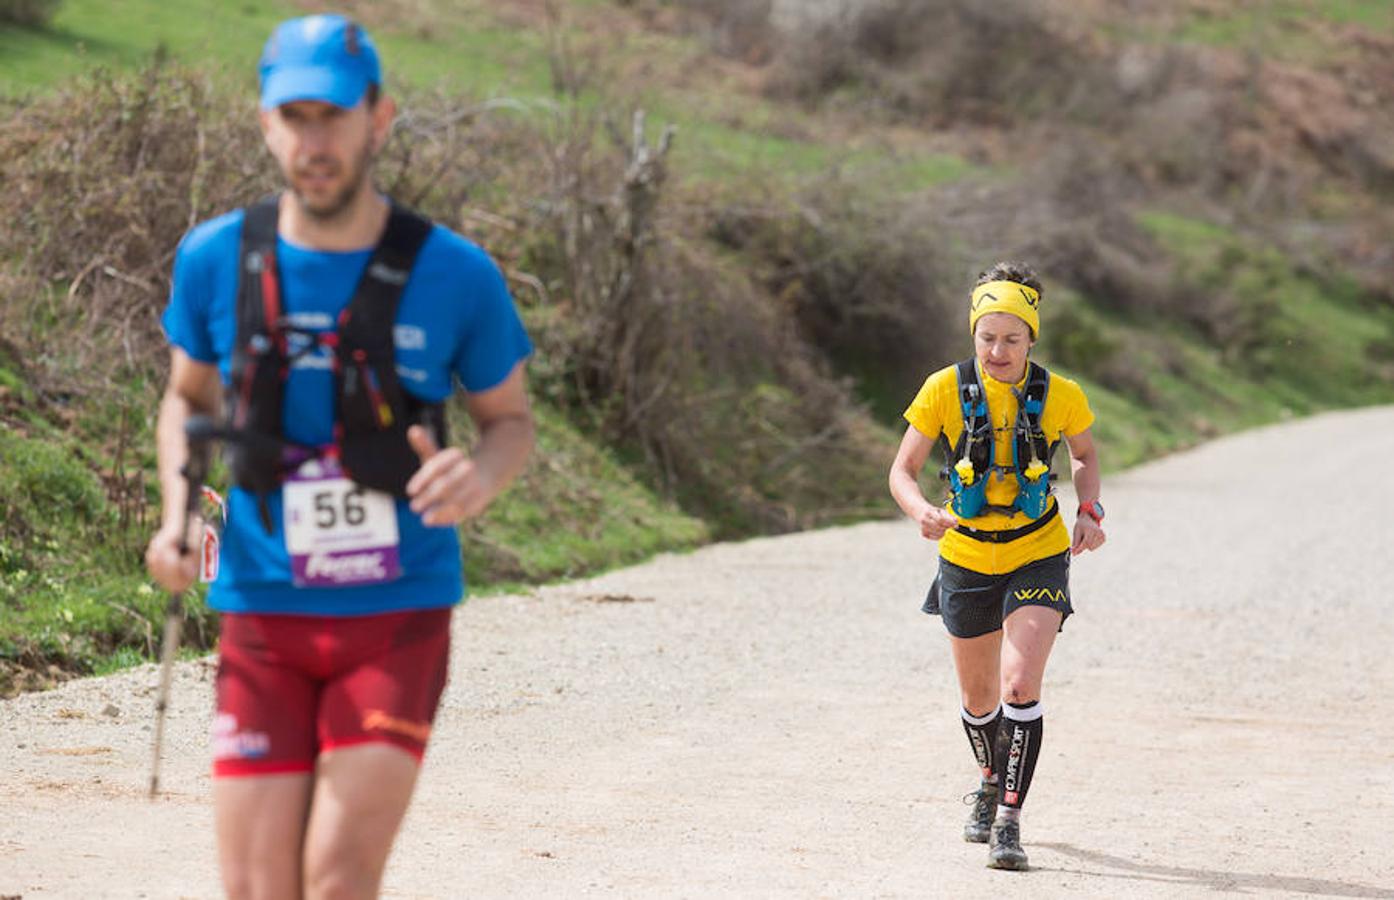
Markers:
<point>1006,297</point>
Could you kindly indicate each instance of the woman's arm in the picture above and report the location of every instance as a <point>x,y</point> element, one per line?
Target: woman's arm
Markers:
<point>914,449</point>
<point>1084,467</point>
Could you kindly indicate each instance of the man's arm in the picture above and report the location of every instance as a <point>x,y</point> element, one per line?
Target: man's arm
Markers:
<point>193,388</point>
<point>450,486</point>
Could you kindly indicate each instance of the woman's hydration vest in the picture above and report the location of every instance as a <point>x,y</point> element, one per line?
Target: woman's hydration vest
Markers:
<point>969,464</point>
<point>372,411</point>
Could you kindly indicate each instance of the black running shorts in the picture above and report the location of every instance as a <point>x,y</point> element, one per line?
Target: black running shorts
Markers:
<point>974,604</point>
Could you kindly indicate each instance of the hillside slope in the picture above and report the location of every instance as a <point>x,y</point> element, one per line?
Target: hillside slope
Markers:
<point>1211,224</point>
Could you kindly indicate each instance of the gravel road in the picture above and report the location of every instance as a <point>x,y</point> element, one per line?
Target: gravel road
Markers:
<point>776,718</point>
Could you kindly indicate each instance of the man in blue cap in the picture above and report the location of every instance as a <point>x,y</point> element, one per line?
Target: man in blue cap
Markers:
<point>330,324</point>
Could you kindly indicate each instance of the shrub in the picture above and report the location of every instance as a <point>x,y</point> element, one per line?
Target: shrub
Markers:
<point>32,13</point>
<point>646,336</point>
<point>1070,337</point>
<point>942,61</point>
<point>865,279</point>
<point>741,30</point>
<point>102,180</point>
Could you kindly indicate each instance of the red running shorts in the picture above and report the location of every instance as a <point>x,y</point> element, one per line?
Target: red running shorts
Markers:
<point>292,687</point>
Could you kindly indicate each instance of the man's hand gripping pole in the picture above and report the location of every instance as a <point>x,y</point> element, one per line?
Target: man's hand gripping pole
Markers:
<point>195,471</point>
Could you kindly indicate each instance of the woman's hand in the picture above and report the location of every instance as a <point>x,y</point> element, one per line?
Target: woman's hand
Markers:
<point>1089,535</point>
<point>936,522</point>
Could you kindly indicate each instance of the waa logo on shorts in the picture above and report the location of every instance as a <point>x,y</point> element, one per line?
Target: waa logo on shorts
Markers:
<point>1039,595</point>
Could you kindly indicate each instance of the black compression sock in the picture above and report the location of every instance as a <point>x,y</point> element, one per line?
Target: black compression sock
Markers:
<point>1018,748</point>
<point>982,735</point>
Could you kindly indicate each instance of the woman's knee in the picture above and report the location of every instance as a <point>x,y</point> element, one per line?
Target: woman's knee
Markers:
<point>979,700</point>
<point>1019,688</point>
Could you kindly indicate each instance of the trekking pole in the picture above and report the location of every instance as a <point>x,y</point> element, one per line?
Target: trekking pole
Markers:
<point>194,470</point>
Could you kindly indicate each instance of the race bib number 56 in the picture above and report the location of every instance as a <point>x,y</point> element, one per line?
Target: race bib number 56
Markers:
<point>339,534</point>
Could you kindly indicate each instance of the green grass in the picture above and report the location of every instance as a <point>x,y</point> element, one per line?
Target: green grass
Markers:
<point>577,509</point>
<point>72,587</point>
<point>719,151</point>
<point>1124,434</point>
<point>13,384</point>
<point>1195,389</point>
<point>73,591</point>
<point>456,50</point>
<point>1288,30</point>
<point>124,33</point>
<point>461,51</point>
<point>1314,328</point>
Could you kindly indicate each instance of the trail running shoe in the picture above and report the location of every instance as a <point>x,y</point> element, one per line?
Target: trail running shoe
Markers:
<point>979,823</point>
<point>1004,846</point>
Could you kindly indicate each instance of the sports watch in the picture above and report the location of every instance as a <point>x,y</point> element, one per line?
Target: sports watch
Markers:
<point>1093,509</point>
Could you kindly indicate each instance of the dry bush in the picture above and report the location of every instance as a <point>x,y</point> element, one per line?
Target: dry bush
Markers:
<point>383,15</point>
<point>1108,258</point>
<point>1100,130</point>
<point>30,13</point>
<point>101,181</point>
<point>1264,134</point>
<point>943,60</point>
<point>739,30</point>
<point>754,428</point>
<point>868,279</point>
<point>666,348</point>
<point>645,335</point>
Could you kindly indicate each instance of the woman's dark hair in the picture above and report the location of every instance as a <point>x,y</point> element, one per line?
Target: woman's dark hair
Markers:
<point>1019,272</point>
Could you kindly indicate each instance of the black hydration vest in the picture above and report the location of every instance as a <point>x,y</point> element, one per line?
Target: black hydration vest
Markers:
<point>976,446</point>
<point>372,411</point>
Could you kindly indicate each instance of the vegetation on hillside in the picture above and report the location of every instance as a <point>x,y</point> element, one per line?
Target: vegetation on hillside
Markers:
<point>1212,215</point>
<point>730,316</point>
<point>28,12</point>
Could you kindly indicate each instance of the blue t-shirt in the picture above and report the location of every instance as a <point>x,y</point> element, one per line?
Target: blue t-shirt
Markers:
<point>456,322</point>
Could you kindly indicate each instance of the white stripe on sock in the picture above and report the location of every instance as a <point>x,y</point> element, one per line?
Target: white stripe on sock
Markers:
<point>979,720</point>
<point>1029,714</point>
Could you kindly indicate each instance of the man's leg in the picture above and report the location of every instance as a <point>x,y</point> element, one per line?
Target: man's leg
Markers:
<point>261,823</point>
<point>374,724</point>
<point>263,751</point>
<point>361,794</point>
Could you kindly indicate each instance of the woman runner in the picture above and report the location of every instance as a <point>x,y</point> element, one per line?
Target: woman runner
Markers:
<point>1004,553</point>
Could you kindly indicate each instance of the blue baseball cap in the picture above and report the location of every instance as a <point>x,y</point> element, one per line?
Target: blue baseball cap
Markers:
<point>325,57</point>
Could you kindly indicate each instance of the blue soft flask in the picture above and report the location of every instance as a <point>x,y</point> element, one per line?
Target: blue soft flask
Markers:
<point>1032,478</point>
<point>967,484</point>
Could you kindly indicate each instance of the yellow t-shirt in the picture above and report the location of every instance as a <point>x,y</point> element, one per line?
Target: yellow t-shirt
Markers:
<point>936,410</point>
